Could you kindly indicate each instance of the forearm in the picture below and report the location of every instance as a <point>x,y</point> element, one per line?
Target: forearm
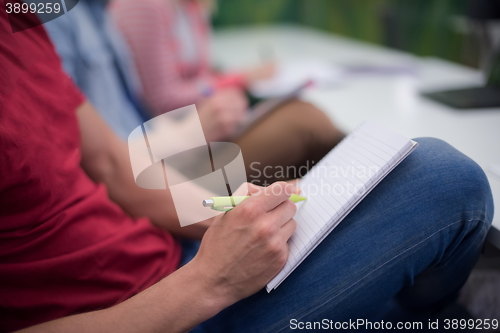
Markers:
<point>176,304</point>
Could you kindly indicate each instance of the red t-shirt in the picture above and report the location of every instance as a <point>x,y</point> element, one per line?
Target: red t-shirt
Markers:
<point>65,248</point>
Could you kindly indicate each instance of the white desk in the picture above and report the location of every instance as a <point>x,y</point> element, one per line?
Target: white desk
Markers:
<point>391,100</point>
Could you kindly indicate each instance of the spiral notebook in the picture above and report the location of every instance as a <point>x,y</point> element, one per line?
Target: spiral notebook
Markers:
<point>339,182</point>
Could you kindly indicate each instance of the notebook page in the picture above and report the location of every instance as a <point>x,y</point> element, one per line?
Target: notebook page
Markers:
<point>337,183</point>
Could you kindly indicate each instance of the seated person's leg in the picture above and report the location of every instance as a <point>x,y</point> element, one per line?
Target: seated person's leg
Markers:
<point>415,236</point>
<point>297,134</point>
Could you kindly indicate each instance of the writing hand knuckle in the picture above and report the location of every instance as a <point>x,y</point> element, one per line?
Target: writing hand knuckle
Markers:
<point>280,184</point>
<point>249,210</point>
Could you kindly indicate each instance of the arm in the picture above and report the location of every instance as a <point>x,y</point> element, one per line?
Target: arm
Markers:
<point>105,159</point>
<point>175,304</point>
<point>61,32</point>
<point>239,254</point>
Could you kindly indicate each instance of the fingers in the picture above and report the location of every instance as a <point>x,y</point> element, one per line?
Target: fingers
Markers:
<point>253,189</point>
<point>229,108</point>
<point>283,213</point>
<point>225,119</point>
<point>295,182</point>
<point>271,197</point>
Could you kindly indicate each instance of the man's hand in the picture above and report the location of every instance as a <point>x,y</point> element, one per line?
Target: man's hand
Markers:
<point>246,247</point>
<point>262,72</point>
<point>242,251</point>
<point>222,113</point>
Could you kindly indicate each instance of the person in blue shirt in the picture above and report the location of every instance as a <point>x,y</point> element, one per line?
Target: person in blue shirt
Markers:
<point>96,57</point>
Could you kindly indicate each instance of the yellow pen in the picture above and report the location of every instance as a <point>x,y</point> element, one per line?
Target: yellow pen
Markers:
<point>227,203</point>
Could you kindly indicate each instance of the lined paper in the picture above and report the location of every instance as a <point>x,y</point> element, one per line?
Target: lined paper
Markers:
<point>338,183</point>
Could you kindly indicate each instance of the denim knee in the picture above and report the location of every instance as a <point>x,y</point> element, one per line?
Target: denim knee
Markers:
<point>455,179</point>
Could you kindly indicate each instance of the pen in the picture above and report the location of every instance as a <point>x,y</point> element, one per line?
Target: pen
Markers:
<point>227,203</point>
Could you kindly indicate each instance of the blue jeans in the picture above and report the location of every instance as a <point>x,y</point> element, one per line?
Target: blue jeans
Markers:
<point>412,241</point>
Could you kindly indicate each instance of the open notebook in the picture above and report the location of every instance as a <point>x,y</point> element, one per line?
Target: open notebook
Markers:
<point>336,184</point>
